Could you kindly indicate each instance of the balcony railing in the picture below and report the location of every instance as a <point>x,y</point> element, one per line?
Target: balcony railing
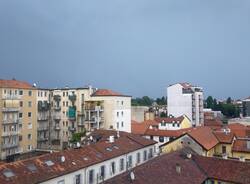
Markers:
<point>11,109</point>
<point>57,117</point>
<point>72,129</point>
<point>42,118</point>
<point>10,121</point>
<point>11,133</point>
<point>57,108</point>
<point>10,97</point>
<point>42,139</point>
<point>10,145</point>
<point>57,127</point>
<point>44,128</point>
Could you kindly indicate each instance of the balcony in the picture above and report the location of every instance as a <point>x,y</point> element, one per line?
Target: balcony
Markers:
<point>42,118</point>
<point>57,128</point>
<point>10,145</point>
<point>57,117</point>
<point>10,109</point>
<point>10,97</point>
<point>10,121</point>
<point>71,113</point>
<point>94,108</point>
<point>43,129</point>
<point>57,108</point>
<point>42,139</point>
<point>72,129</point>
<point>11,133</point>
<point>80,124</point>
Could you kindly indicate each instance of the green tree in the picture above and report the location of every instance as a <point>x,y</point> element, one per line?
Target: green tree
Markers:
<point>76,137</point>
<point>210,102</point>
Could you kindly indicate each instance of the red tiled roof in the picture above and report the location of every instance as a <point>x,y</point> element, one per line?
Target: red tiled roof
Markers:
<point>161,170</point>
<point>194,170</point>
<point>213,123</point>
<point>75,159</point>
<point>223,137</point>
<point>139,128</point>
<point>240,131</point>
<point>15,84</point>
<point>240,145</point>
<point>225,170</point>
<point>107,92</point>
<point>167,133</point>
<point>204,136</point>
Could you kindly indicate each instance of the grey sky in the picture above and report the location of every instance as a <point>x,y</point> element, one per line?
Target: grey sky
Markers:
<point>137,47</point>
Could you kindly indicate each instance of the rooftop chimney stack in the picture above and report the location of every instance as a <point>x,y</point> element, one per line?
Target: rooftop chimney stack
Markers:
<point>178,168</point>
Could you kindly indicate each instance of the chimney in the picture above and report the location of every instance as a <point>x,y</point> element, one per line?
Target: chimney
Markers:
<point>111,139</point>
<point>178,168</point>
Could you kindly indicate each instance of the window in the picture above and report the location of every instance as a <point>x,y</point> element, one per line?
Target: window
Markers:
<point>121,164</point>
<point>30,93</point>
<point>45,94</point>
<point>122,124</point>
<point>61,182</point>
<point>150,154</point>
<point>20,92</point>
<point>91,176</point>
<point>20,115</point>
<point>161,139</point>
<point>122,113</point>
<point>151,137</point>
<point>29,104</point>
<point>20,138</point>
<point>63,103</point>
<point>102,172</point>
<point>21,103</point>
<point>78,179</point>
<point>117,114</point>
<point>63,93</point>
<point>117,125</point>
<point>29,136</point>
<point>29,147</point>
<point>122,102</point>
<point>145,155</point>
<point>178,125</point>
<point>138,157</point>
<point>112,168</point>
<point>29,125</point>
<point>29,114</point>
<point>224,149</point>
<point>130,161</point>
<point>67,104</point>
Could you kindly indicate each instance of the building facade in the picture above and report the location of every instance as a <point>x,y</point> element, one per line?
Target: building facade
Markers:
<point>185,99</point>
<point>18,117</point>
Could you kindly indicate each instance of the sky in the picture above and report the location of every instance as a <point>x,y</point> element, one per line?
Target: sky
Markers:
<point>136,47</point>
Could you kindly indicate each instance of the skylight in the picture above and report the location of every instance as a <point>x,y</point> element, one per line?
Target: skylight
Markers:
<point>108,149</point>
<point>49,163</point>
<point>8,173</point>
<point>32,167</point>
<point>116,147</point>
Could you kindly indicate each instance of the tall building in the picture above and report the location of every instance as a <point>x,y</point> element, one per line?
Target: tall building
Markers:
<point>246,107</point>
<point>186,99</point>
<point>18,118</point>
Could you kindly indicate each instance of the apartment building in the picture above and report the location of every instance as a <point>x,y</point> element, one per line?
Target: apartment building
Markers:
<point>186,99</point>
<point>18,118</point>
<point>91,164</point>
<point>246,107</point>
<point>117,109</point>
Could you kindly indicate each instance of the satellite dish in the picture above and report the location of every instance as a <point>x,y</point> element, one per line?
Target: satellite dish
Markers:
<point>34,84</point>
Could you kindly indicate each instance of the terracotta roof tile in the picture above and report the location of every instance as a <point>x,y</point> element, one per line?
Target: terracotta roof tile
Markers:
<point>224,137</point>
<point>107,92</point>
<point>170,120</point>
<point>167,133</point>
<point>15,84</point>
<point>75,159</point>
<point>204,136</point>
<point>240,145</point>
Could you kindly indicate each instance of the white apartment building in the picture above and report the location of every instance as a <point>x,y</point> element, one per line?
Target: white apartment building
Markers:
<point>186,99</point>
<point>91,164</point>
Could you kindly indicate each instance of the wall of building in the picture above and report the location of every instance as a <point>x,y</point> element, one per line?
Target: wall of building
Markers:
<point>240,155</point>
<point>70,178</point>
<point>218,149</point>
<point>138,113</point>
<point>179,104</point>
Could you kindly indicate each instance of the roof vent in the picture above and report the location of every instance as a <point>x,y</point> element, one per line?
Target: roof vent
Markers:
<point>62,159</point>
<point>111,139</point>
<point>132,176</point>
<point>189,155</point>
<point>178,168</point>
